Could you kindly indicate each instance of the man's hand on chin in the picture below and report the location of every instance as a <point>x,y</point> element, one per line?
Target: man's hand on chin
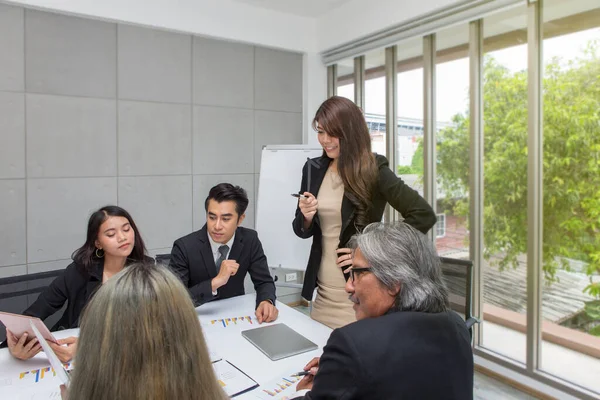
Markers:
<point>266,312</point>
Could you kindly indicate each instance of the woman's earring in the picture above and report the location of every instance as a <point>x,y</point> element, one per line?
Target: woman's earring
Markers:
<point>99,255</point>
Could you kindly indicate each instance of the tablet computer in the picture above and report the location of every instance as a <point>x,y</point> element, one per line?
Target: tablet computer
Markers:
<point>58,366</point>
<point>279,341</point>
<point>19,324</point>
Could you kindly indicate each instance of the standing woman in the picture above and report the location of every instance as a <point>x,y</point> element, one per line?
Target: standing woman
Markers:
<point>113,241</point>
<point>349,188</point>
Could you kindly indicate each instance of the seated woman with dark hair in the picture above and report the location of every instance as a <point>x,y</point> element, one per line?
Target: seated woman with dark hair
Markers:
<point>140,339</point>
<point>113,241</point>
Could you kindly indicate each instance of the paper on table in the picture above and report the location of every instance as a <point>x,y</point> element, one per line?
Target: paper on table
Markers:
<point>16,390</point>
<point>50,393</point>
<point>54,361</point>
<point>278,389</point>
<point>231,323</point>
<point>214,356</point>
<point>232,380</point>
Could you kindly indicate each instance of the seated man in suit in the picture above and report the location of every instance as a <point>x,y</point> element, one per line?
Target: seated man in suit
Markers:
<point>213,261</point>
<point>407,343</point>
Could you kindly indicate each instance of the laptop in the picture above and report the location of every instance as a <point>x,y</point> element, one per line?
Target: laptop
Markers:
<point>279,341</point>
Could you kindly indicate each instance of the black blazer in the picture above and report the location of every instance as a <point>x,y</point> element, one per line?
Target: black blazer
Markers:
<point>401,355</point>
<point>391,189</point>
<point>76,286</point>
<point>192,260</point>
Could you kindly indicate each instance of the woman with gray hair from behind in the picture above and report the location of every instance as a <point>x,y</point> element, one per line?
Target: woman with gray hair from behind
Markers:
<point>406,343</point>
<point>140,338</point>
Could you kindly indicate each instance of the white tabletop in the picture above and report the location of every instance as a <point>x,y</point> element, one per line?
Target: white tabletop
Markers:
<point>226,341</point>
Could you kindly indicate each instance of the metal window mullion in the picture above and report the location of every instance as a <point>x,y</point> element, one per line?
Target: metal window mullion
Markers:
<point>359,81</point>
<point>391,115</point>
<point>476,170</point>
<point>429,128</point>
<point>534,183</point>
<point>331,80</point>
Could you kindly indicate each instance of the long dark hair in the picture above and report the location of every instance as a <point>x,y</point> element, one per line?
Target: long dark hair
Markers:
<point>86,254</point>
<point>341,118</point>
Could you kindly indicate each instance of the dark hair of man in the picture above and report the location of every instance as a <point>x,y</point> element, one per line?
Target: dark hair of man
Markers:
<point>227,192</point>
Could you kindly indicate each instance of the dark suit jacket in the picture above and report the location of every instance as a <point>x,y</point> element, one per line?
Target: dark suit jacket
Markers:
<point>75,286</point>
<point>390,189</point>
<point>192,260</point>
<point>401,355</point>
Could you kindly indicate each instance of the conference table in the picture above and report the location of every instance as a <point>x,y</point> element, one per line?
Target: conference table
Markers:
<point>222,322</point>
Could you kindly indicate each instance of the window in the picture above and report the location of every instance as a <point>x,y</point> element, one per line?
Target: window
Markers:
<point>375,97</point>
<point>345,78</point>
<point>452,105</point>
<point>570,264</point>
<point>505,180</point>
<point>440,226</point>
<point>409,143</point>
<point>571,134</point>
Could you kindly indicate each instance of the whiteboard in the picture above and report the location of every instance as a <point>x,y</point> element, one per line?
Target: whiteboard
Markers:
<point>280,176</point>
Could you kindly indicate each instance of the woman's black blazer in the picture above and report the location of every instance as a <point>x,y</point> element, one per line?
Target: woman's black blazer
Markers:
<point>390,189</point>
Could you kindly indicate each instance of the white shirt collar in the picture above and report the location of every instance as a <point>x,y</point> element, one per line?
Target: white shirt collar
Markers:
<point>215,246</point>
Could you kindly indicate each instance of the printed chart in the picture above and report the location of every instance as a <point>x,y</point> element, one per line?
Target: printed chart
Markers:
<point>37,375</point>
<point>234,321</point>
<point>278,389</point>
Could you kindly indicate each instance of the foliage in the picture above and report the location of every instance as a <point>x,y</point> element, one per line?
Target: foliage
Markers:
<point>417,163</point>
<point>592,310</point>
<point>571,160</point>
<point>405,170</point>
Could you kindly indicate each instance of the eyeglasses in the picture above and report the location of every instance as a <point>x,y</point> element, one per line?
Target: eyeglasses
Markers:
<point>357,271</point>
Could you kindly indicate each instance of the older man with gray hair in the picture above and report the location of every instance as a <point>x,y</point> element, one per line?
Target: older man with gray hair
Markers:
<point>407,343</point>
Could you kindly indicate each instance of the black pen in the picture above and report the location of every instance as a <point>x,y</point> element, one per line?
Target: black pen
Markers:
<point>300,196</point>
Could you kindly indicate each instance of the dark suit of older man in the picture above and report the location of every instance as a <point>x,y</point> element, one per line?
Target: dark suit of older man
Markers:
<point>407,343</point>
<point>401,355</point>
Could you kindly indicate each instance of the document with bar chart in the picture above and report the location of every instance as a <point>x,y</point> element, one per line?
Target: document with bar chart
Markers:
<point>246,321</point>
<point>278,389</point>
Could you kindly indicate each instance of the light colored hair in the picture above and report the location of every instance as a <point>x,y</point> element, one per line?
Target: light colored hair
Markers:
<point>401,256</point>
<point>140,338</point>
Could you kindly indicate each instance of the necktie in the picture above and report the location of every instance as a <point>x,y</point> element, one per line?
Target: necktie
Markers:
<point>223,251</point>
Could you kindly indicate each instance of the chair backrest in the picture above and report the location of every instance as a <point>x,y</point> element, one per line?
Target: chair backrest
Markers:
<point>458,275</point>
<point>163,259</point>
<point>17,293</point>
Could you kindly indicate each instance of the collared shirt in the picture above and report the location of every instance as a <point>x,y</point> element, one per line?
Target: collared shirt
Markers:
<point>214,246</point>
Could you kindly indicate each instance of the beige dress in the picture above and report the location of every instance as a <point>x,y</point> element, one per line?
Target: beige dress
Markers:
<point>331,306</point>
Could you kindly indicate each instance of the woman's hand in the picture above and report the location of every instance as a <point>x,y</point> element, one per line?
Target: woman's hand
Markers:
<point>20,348</point>
<point>67,352</point>
<point>64,392</point>
<point>308,206</point>
<point>344,259</point>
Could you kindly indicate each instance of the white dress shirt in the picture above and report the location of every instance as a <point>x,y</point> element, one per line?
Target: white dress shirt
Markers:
<point>214,246</point>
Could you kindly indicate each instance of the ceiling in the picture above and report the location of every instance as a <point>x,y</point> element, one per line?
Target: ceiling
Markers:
<point>304,8</point>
